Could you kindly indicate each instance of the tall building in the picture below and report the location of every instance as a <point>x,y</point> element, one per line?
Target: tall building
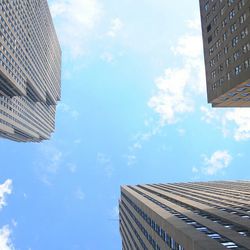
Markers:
<point>211,215</point>
<point>226,41</point>
<point>30,70</point>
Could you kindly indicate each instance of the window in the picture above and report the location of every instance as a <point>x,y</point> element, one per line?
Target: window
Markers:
<point>215,20</point>
<point>231,94</point>
<point>241,4</point>
<point>247,64</point>
<point>221,68</point>
<point>209,27</point>
<point>221,81</point>
<point>233,27</point>
<point>216,32</point>
<point>231,14</point>
<point>219,55</point>
<point>246,48</point>
<point>209,39</point>
<point>236,55</point>
<point>243,18</point>
<point>241,89</point>
<point>235,41</point>
<point>222,11</point>
<point>244,33</point>
<point>229,245</point>
<point>214,86</point>
<point>206,7</point>
<point>225,36</point>
<point>218,43</point>
<point>224,23</point>
<point>211,51</point>
<point>237,70</point>
<point>212,62</point>
<point>230,2</point>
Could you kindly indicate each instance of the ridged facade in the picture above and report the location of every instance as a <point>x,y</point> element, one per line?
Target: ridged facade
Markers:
<point>190,216</point>
<point>226,40</point>
<point>30,70</point>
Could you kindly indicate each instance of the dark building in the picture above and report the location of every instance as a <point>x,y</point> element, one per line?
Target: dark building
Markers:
<point>30,70</point>
<point>209,215</point>
<point>225,31</point>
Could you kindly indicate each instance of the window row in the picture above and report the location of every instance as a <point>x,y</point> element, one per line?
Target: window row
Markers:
<point>135,233</point>
<point>170,242</point>
<point>236,55</point>
<point>199,227</point>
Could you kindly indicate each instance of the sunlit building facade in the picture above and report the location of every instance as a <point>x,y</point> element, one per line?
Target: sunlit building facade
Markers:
<point>226,40</point>
<point>201,215</point>
<point>30,70</point>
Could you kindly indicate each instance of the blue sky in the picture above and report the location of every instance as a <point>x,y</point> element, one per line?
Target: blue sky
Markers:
<point>133,110</point>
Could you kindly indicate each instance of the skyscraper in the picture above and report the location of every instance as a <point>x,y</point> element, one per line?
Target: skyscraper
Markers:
<point>30,70</point>
<point>226,41</point>
<point>211,215</point>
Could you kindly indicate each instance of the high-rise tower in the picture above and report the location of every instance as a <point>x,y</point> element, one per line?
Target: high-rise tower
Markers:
<point>226,41</point>
<point>190,216</point>
<point>30,70</point>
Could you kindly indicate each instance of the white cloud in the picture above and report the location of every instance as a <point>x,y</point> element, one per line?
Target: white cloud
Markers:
<point>189,46</point>
<point>172,97</point>
<point>5,238</point>
<point>5,188</point>
<point>131,159</point>
<point>218,161</point>
<point>106,163</point>
<point>48,162</point>
<point>68,109</point>
<point>53,158</point>
<point>76,21</point>
<point>209,114</point>
<point>232,122</point>
<point>115,27</point>
<point>194,24</point>
<point>240,119</point>
<point>177,87</point>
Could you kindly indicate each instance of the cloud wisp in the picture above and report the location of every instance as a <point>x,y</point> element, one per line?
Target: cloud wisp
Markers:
<point>5,238</point>
<point>115,27</point>
<point>76,21</point>
<point>178,90</point>
<point>5,231</point>
<point>65,108</point>
<point>177,87</point>
<point>48,163</point>
<point>106,163</point>
<point>214,164</point>
<point>233,122</point>
<point>5,189</point>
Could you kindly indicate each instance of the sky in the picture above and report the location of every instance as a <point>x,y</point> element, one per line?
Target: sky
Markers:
<point>133,110</point>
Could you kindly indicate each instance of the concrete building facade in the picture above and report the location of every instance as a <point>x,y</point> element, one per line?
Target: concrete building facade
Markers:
<point>226,41</point>
<point>211,215</point>
<point>30,70</point>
